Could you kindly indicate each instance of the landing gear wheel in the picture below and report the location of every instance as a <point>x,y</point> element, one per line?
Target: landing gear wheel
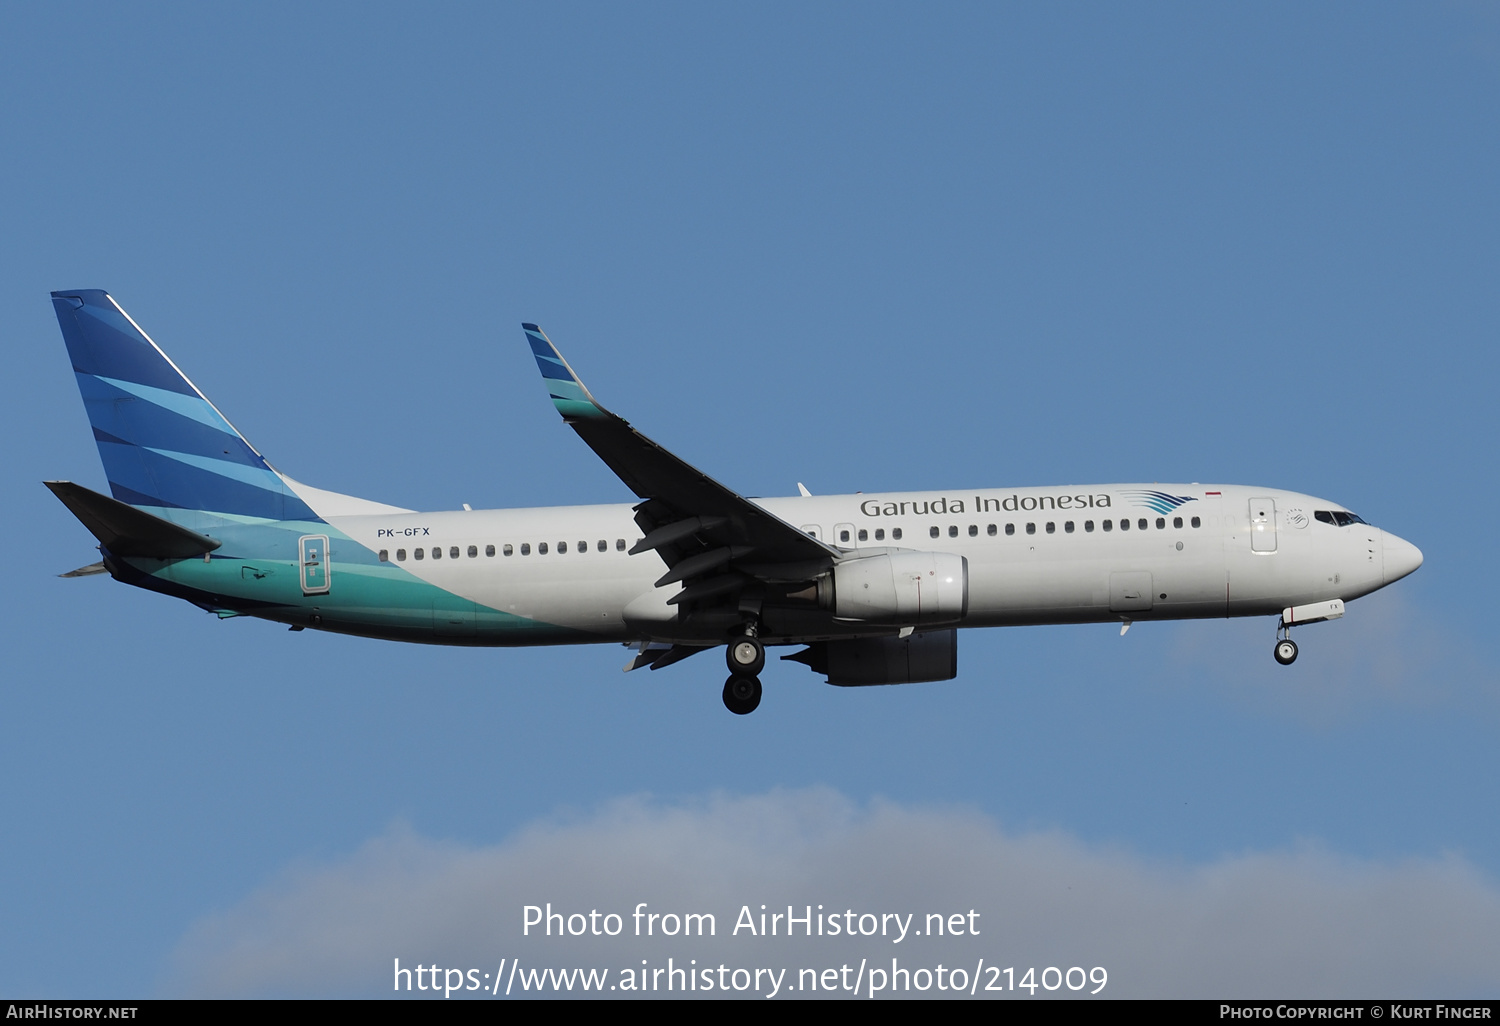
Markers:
<point>746,656</point>
<point>1286,651</point>
<point>741,694</point>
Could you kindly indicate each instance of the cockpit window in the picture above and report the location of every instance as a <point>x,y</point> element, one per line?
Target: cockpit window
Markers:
<point>1337,517</point>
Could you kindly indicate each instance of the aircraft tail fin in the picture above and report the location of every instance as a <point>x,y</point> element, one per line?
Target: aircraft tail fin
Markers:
<point>163,444</point>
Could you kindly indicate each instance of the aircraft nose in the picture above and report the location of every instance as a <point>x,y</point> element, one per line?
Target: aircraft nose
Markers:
<point>1401,557</point>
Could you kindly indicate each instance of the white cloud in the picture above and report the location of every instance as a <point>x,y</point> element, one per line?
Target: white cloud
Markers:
<point>1301,923</point>
<point>1382,653</point>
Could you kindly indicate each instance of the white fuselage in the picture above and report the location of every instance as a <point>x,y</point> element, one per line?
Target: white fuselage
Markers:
<point>1034,556</point>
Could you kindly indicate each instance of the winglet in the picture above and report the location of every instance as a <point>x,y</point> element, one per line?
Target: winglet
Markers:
<point>569,394</point>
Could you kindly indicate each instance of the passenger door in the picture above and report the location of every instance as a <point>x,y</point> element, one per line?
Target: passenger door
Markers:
<point>1263,525</point>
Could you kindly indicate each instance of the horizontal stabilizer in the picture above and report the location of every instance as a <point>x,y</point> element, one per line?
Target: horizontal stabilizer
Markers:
<point>127,531</point>
<point>87,571</point>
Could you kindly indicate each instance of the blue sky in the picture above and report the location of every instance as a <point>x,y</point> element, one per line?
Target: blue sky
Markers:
<point>868,247</point>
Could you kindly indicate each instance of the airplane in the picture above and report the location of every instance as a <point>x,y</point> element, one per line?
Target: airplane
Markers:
<point>872,588</point>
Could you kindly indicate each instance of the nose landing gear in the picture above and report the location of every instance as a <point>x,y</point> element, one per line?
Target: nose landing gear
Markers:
<point>1286,649</point>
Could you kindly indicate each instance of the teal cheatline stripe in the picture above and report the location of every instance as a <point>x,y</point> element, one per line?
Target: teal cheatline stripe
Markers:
<point>366,597</point>
<point>574,408</point>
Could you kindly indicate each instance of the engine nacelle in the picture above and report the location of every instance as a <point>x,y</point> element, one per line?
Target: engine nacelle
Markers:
<point>904,589</point>
<point>924,656</point>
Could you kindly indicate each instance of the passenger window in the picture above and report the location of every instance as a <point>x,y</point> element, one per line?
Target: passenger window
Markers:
<point>508,550</point>
<point>526,548</point>
<point>864,535</point>
<point>583,546</point>
<point>1051,527</point>
<point>896,534</point>
<point>489,550</point>
<point>541,548</point>
<point>934,532</point>
<point>952,530</point>
<point>1141,523</point>
<point>1176,521</point>
<point>385,555</point>
<point>843,536</point>
<point>973,530</point>
<point>1161,523</point>
<point>474,551</point>
<point>1124,525</point>
<point>1010,529</point>
<point>992,530</point>
<point>562,547</point>
<point>1109,525</point>
<point>1068,527</point>
<point>880,534</point>
<point>418,553</point>
<point>453,552</point>
<point>1088,527</point>
<point>1196,522</point>
<point>401,555</point>
<point>1031,529</point>
<point>602,546</point>
<point>619,544</point>
<point>437,553</point>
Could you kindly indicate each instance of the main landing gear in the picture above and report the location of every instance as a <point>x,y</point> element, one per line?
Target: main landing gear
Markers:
<point>741,694</point>
<point>746,657</point>
<point>1286,649</point>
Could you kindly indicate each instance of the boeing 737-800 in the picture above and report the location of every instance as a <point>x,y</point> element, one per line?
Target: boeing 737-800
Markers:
<point>873,587</point>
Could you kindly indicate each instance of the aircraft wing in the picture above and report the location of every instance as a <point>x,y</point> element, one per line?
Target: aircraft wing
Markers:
<point>710,537</point>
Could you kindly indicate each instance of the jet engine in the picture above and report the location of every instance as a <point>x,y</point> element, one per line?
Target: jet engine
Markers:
<point>925,656</point>
<point>903,589</point>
